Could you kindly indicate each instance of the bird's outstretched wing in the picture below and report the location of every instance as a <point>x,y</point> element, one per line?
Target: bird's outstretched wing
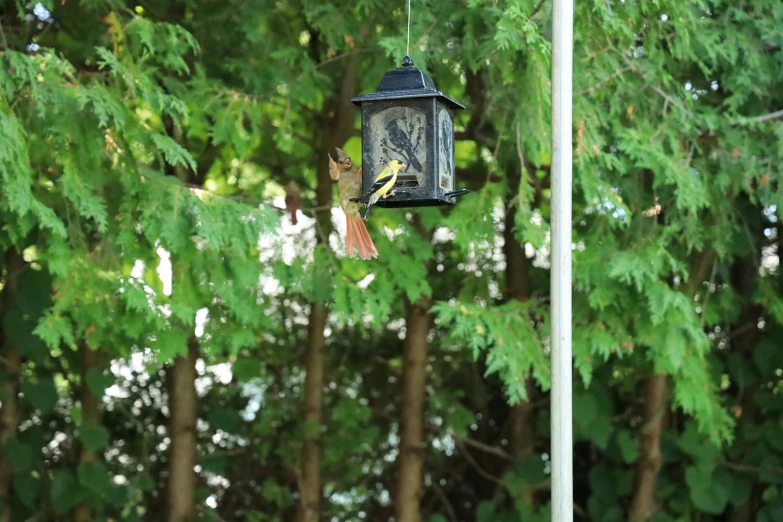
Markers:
<point>374,188</point>
<point>334,170</point>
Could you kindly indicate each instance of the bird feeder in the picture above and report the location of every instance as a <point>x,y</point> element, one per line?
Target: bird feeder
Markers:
<point>407,119</point>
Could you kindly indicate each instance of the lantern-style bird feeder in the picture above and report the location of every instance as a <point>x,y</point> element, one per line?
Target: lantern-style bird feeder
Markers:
<point>407,119</point>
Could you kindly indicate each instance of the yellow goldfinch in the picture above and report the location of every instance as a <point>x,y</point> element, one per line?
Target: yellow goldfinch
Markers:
<point>384,181</point>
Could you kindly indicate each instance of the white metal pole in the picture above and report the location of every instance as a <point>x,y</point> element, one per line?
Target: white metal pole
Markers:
<point>562,437</point>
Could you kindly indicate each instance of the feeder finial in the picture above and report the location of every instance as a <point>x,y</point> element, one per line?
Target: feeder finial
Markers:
<point>407,62</point>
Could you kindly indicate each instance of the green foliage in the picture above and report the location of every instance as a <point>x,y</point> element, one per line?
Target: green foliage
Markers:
<point>20,455</point>
<point>65,491</point>
<point>42,395</point>
<point>143,154</point>
<point>98,381</point>
<point>29,489</point>
<point>629,446</point>
<point>94,438</point>
<point>709,490</point>
<point>94,476</point>
<point>513,339</point>
<point>592,416</point>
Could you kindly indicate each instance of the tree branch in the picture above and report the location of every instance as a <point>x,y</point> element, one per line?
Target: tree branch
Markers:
<point>483,447</point>
<point>608,78</point>
<point>445,500</point>
<point>475,176</point>
<point>347,54</point>
<point>2,36</point>
<point>766,117</point>
<point>475,465</point>
<point>536,9</point>
<point>750,469</point>
<point>152,175</point>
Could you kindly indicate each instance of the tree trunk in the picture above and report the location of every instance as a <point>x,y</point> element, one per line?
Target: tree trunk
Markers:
<point>521,436</point>
<point>654,392</point>
<point>310,487</point>
<point>744,512</point>
<point>743,278</point>
<point>650,459</point>
<point>337,115</point>
<point>315,360</point>
<point>9,389</point>
<point>182,432</point>
<point>414,379</point>
<point>655,407</point>
<point>517,263</point>
<point>91,415</point>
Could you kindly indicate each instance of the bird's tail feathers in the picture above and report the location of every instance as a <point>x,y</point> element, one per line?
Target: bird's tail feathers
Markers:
<point>350,230</point>
<point>357,233</point>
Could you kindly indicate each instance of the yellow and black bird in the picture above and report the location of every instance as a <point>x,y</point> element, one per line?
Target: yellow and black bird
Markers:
<point>382,187</point>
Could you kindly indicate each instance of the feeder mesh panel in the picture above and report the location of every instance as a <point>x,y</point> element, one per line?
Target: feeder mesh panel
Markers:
<point>399,133</point>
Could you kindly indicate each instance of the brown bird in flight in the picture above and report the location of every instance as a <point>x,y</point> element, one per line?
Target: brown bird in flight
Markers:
<point>293,200</point>
<point>349,184</point>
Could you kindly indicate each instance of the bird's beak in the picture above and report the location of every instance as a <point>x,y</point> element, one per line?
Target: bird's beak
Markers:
<point>403,165</point>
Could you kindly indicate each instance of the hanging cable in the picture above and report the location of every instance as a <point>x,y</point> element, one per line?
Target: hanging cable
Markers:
<point>408,45</point>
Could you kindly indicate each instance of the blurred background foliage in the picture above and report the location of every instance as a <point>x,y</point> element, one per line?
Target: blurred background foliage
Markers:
<point>173,348</point>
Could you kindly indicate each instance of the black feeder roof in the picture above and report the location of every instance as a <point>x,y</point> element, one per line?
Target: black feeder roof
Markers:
<point>406,82</point>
